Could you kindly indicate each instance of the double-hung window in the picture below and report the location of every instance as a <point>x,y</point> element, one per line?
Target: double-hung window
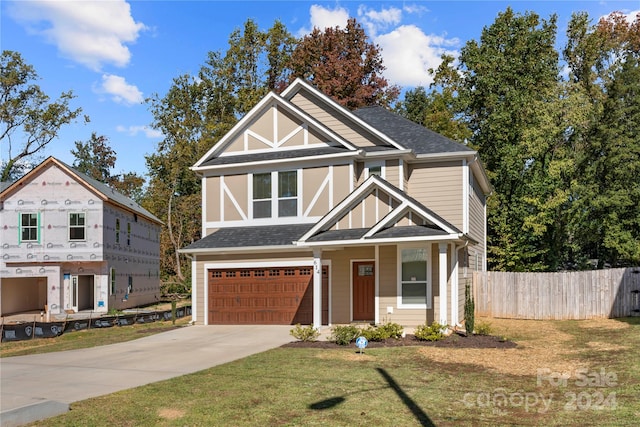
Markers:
<point>76,226</point>
<point>414,280</point>
<point>287,193</point>
<point>29,227</point>
<point>262,195</point>
<point>285,185</point>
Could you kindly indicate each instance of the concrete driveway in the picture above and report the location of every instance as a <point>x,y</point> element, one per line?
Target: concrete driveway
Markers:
<point>43,385</point>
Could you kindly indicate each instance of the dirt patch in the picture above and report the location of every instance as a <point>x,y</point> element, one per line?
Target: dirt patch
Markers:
<point>171,414</point>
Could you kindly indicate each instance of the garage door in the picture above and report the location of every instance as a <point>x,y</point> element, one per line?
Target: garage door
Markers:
<point>263,296</point>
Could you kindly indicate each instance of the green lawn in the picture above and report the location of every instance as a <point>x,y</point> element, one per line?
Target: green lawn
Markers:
<point>403,386</point>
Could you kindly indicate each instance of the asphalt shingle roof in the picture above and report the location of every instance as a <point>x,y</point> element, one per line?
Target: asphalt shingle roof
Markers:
<point>407,133</point>
<point>240,237</point>
<point>274,155</point>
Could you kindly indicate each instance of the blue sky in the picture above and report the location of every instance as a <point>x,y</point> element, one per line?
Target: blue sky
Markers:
<point>114,54</point>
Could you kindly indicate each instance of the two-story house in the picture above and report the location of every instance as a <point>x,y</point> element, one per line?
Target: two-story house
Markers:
<point>71,243</point>
<point>312,213</point>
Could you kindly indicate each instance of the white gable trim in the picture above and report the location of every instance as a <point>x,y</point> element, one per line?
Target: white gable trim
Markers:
<point>358,195</point>
<point>269,101</point>
<point>298,84</point>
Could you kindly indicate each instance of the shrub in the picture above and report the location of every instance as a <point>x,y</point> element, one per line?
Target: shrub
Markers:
<point>429,333</point>
<point>483,328</point>
<point>469,309</point>
<point>382,332</point>
<point>305,333</point>
<point>343,335</point>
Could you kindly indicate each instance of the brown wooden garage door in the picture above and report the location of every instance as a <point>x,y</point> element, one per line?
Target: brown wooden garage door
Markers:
<point>263,296</point>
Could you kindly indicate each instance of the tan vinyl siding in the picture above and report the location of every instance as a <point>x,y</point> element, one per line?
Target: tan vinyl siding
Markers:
<point>439,187</point>
<point>341,176</point>
<point>235,145</point>
<point>476,213</point>
<point>238,187</point>
<point>312,180</point>
<point>391,172</point>
<point>263,126</point>
<point>359,174</point>
<point>329,118</point>
<point>341,280</point>
<point>213,199</point>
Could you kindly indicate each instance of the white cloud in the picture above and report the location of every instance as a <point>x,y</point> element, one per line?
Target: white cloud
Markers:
<point>135,130</point>
<point>408,53</point>
<point>89,32</point>
<point>323,17</point>
<point>120,91</point>
<point>375,21</point>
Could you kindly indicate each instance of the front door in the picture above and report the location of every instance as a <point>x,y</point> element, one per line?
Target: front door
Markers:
<point>364,291</point>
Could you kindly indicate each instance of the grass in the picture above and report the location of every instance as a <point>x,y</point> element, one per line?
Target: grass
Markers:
<point>87,338</point>
<point>403,385</point>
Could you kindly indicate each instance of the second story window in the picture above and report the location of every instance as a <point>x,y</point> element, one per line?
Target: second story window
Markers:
<point>76,226</point>
<point>287,193</point>
<point>117,230</point>
<point>128,234</point>
<point>262,195</point>
<point>265,185</point>
<point>29,227</point>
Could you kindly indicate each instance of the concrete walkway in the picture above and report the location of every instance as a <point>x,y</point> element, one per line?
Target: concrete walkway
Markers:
<point>43,385</point>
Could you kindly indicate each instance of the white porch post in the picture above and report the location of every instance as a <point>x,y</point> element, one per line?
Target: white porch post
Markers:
<point>442,281</point>
<point>317,288</point>
<point>454,285</point>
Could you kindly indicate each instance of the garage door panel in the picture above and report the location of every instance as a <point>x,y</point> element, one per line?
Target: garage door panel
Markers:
<point>261,296</point>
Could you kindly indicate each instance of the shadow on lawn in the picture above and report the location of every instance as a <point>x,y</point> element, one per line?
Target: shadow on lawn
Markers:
<point>420,415</point>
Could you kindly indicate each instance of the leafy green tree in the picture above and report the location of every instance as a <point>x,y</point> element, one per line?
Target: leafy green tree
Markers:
<point>27,114</point>
<point>606,214</point>
<point>344,65</point>
<point>510,71</point>
<point>96,159</point>
<point>439,109</point>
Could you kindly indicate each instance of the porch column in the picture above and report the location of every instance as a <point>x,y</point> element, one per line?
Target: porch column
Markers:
<point>317,288</point>
<point>454,285</point>
<point>442,282</point>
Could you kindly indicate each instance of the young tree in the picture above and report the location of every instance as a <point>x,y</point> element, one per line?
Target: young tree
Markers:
<point>344,65</point>
<point>26,113</point>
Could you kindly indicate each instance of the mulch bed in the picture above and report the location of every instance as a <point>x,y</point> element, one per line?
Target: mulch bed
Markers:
<point>452,341</point>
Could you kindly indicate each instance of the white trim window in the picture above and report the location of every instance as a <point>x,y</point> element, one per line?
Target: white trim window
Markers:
<point>265,185</point>
<point>374,168</point>
<point>77,223</point>
<point>29,226</point>
<point>287,193</point>
<point>414,272</point>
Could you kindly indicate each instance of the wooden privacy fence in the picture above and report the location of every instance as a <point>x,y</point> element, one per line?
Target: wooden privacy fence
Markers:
<point>564,295</point>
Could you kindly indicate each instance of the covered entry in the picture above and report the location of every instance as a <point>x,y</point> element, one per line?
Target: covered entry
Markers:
<point>23,294</point>
<point>273,295</point>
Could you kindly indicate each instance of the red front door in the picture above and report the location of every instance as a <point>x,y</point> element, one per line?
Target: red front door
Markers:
<point>364,291</point>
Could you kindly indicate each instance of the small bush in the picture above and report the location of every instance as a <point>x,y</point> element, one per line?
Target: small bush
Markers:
<point>483,328</point>
<point>382,332</point>
<point>305,333</point>
<point>343,335</point>
<point>429,333</point>
<point>469,309</point>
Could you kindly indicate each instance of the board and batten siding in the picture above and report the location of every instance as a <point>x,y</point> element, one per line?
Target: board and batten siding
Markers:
<point>439,187</point>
